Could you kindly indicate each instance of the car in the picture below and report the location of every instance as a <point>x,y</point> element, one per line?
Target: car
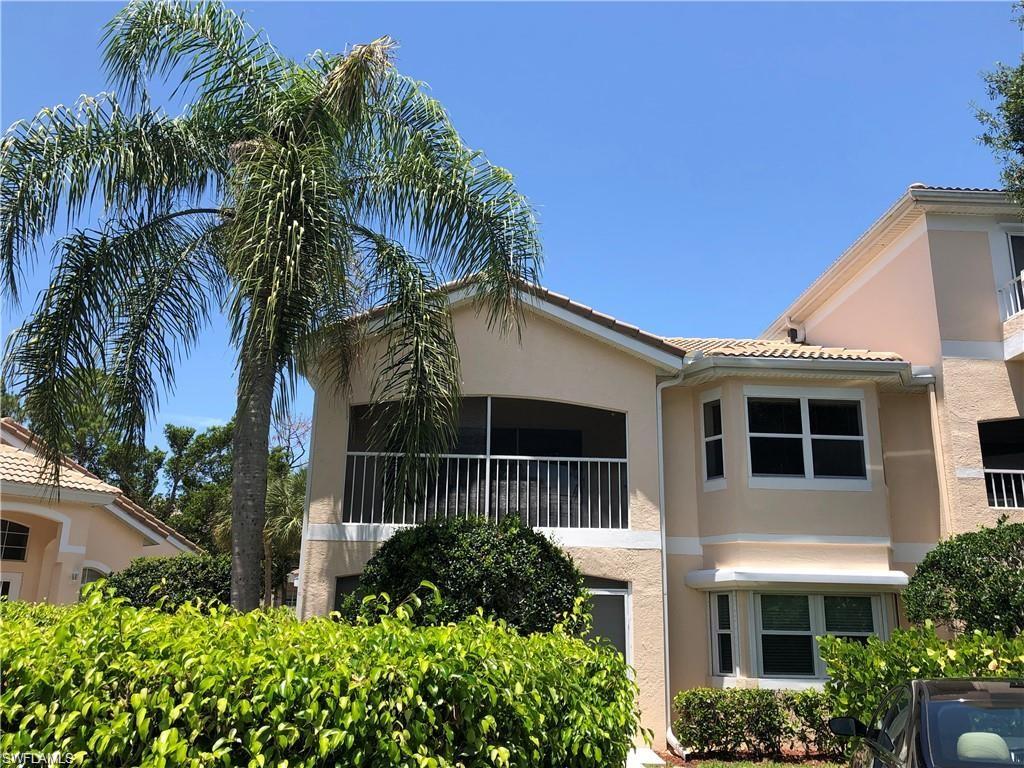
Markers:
<point>941,724</point>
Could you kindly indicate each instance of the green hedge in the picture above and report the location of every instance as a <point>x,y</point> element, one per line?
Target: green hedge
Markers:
<point>117,685</point>
<point>860,674</point>
<point>171,581</point>
<point>754,722</point>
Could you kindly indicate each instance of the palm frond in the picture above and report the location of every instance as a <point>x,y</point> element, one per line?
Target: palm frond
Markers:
<point>67,157</point>
<point>229,67</point>
<point>97,315</point>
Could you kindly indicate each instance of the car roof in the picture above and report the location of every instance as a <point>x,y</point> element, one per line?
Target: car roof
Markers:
<point>972,689</point>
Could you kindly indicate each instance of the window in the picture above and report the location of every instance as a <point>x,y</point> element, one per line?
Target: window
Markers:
<point>343,587</point>
<point>610,604</point>
<point>723,656</point>
<point>817,438</point>
<point>714,449</point>
<point>13,540</point>
<point>892,720</point>
<point>787,625</point>
<point>89,575</point>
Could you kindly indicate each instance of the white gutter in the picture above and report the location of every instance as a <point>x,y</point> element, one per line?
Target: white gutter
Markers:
<point>669,736</point>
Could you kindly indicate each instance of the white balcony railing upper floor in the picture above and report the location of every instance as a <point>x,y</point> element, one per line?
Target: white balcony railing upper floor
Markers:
<point>552,465</point>
<point>1005,488</point>
<point>542,491</point>
<point>1011,297</point>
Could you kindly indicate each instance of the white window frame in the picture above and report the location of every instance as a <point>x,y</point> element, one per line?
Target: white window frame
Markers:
<point>817,616</point>
<point>808,481</point>
<point>714,632</point>
<point>627,595</point>
<point>713,483</point>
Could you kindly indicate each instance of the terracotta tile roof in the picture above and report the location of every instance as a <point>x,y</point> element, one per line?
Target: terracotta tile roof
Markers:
<point>770,348</point>
<point>20,466</point>
<point>72,472</point>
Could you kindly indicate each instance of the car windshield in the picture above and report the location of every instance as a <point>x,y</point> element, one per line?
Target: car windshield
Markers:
<point>976,732</point>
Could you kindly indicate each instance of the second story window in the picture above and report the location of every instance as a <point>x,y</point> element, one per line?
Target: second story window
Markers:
<point>805,437</point>
<point>714,453</point>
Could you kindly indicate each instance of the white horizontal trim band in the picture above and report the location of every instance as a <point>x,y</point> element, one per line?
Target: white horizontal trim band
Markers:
<point>970,472</point>
<point>786,538</point>
<point>909,552</point>
<point>973,350</point>
<point>732,577</point>
<point>593,538</point>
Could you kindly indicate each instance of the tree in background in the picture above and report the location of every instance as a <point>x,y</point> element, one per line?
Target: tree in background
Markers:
<point>972,581</point>
<point>1004,123</point>
<point>295,196</point>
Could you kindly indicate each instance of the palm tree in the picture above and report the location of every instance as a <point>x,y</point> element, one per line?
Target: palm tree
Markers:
<point>300,198</point>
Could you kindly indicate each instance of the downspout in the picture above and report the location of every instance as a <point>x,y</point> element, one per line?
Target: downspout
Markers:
<point>670,737</point>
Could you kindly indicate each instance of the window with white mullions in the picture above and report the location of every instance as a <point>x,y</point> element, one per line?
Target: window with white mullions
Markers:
<point>13,540</point>
<point>722,636</point>
<point>714,439</point>
<point>814,437</point>
<point>788,625</point>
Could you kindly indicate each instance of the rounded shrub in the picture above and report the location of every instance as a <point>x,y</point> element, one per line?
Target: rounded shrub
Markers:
<point>972,581</point>
<point>171,581</point>
<point>508,570</point>
<point>114,685</point>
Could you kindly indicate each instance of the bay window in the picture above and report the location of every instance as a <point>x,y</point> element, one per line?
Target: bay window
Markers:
<point>787,626</point>
<point>806,438</point>
<point>714,441</point>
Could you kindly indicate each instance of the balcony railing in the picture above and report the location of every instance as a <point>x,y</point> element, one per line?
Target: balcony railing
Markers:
<point>543,491</point>
<point>1005,487</point>
<point>1011,297</point>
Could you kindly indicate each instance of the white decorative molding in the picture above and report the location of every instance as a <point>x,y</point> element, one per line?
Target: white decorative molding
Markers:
<point>974,473</point>
<point>683,545</point>
<point>97,565</point>
<point>583,538</point>
<point>718,578</point>
<point>973,350</point>
<point>909,552</point>
<point>789,538</point>
<point>38,510</point>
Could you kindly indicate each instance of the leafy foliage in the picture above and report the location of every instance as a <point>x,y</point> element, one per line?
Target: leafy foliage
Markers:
<point>753,721</point>
<point>860,674</point>
<point>300,198</point>
<point>115,685</point>
<point>1004,123</point>
<point>508,570</point>
<point>972,581</point>
<point>172,581</point>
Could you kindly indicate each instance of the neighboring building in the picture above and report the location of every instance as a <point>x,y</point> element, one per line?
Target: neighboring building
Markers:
<point>54,543</point>
<point>728,500</point>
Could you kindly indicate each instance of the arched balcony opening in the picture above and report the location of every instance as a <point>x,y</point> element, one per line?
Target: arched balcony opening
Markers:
<point>553,465</point>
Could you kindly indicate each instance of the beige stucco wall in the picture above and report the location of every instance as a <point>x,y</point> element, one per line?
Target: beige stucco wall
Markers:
<point>552,362</point>
<point>910,468</point>
<point>965,287</point>
<point>55,576</point>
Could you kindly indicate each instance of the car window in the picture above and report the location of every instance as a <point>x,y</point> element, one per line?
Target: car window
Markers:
<point>981,733</point>
<point>892,721</point>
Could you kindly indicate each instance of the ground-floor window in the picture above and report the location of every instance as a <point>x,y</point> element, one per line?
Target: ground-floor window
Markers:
<point>786,626</point>
<point>610,601</point>
<point>722,637</point>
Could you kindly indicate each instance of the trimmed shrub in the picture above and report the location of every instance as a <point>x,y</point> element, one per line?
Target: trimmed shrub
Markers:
<point>508,570</point>
<point>172,581</point>
<point>205,686</point>
<point>860,674</point>
<point>754,722</point>
<point>972,581</point>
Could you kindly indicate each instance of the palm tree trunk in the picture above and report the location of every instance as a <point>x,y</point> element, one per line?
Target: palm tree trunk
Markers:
<point>268,574</point>
<point>250,442</point>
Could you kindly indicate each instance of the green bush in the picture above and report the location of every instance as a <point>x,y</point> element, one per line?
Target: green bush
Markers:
<point>205,686</point>
<point>509,570</point>
<point>174,580</point>
<point>752,721</point>
<point>972,581</point>
<point>860,674</point>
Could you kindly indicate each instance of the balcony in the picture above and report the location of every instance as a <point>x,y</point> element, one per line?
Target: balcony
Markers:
<point>1002,454</point>
<point>552,465</point>
<point>1011,298</point>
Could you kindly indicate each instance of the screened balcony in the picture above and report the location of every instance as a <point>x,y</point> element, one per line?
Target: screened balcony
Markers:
<point>553,465</point>
<point>1002,452</point>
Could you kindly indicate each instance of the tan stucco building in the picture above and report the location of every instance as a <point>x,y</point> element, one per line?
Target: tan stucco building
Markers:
<point>728,500</point>
<point>54,543</point>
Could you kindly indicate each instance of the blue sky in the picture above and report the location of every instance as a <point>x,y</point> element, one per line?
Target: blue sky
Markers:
<point>693,165</point>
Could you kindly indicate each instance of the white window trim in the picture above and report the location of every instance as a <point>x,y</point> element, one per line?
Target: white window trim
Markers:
<point>714,483</point>
<point>627,594</point>
<point>817,614</point>
<point>808,481</point>
<point>714,631</point>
